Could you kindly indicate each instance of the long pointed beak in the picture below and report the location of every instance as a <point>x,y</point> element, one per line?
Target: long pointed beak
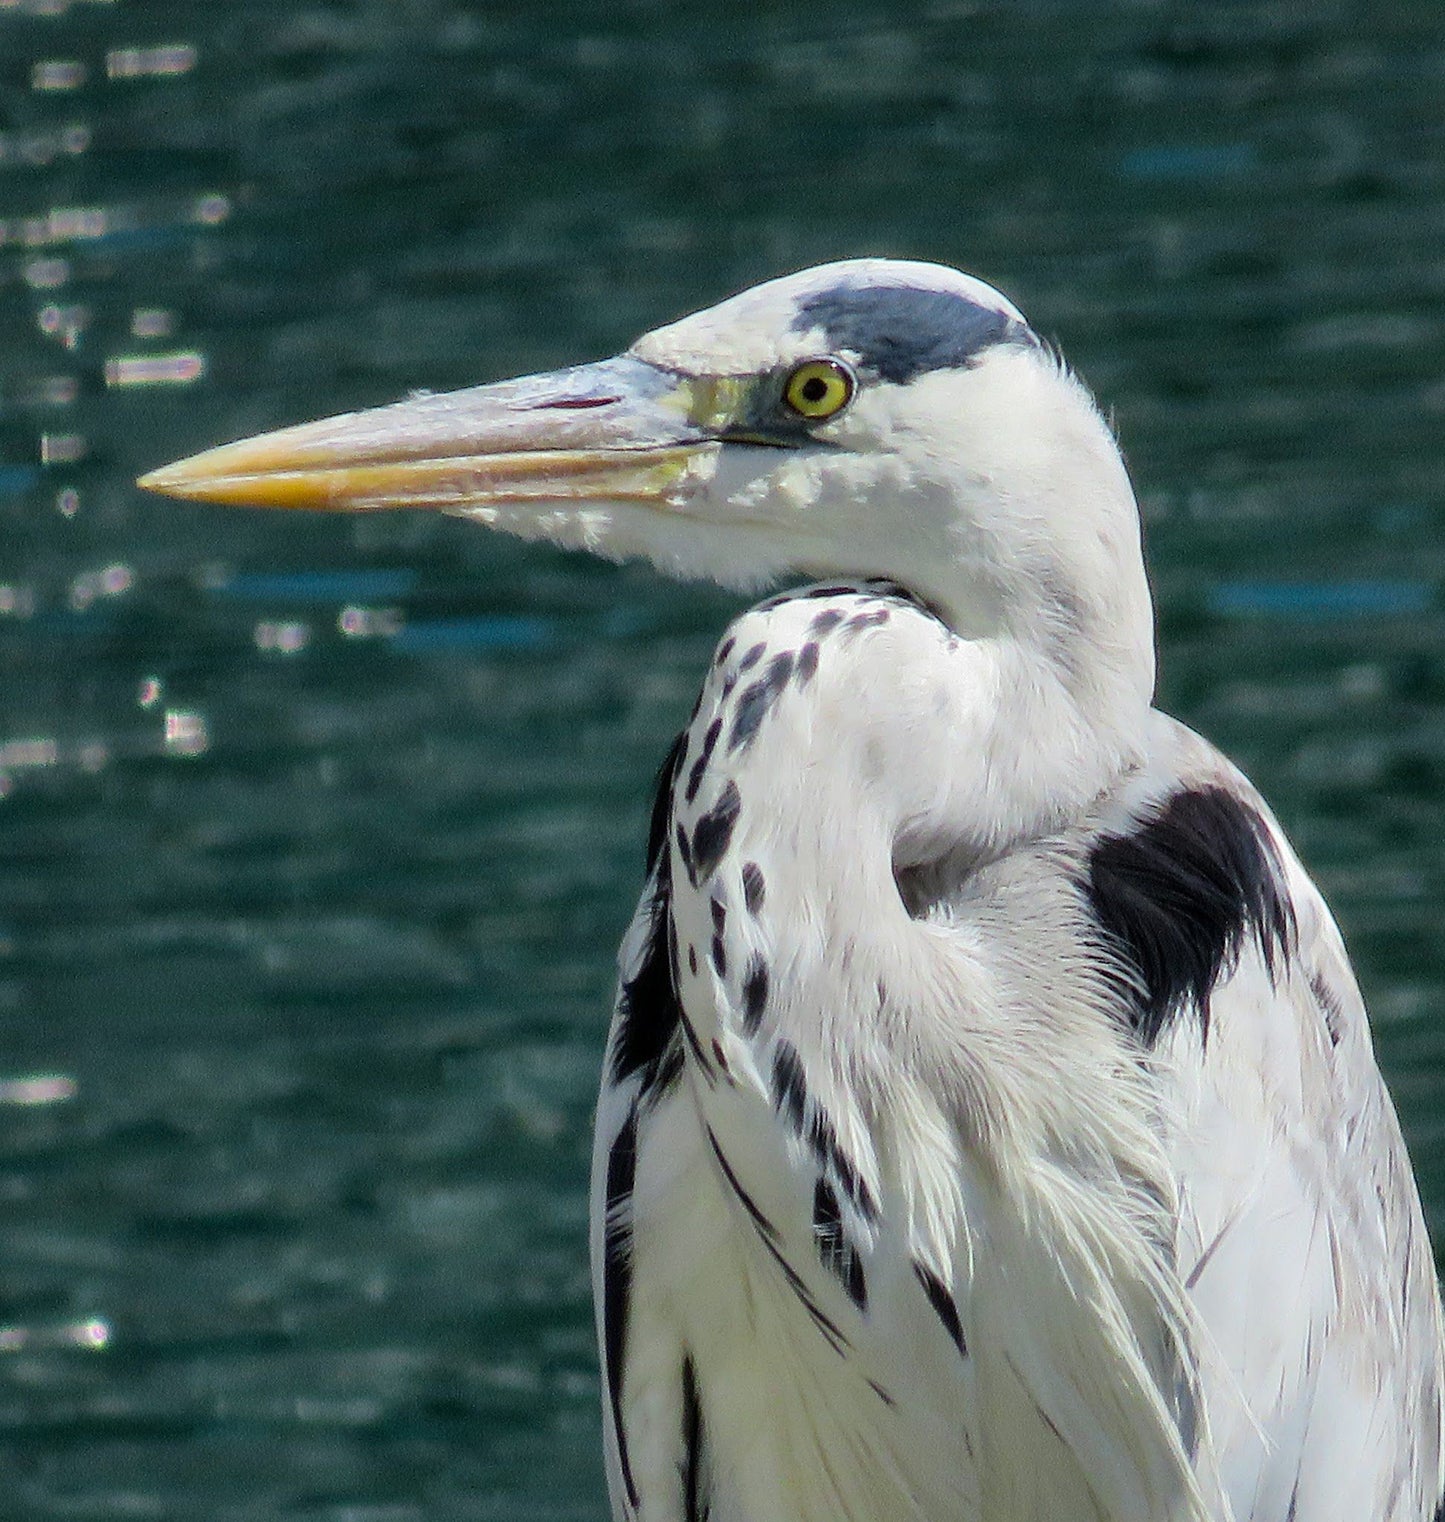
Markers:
<point>616,431</point>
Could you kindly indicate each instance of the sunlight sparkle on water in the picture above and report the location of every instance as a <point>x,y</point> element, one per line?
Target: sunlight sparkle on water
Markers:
<point>47,7</point>
<point>281,636</point>
<point>155,369</point>
<point>18,755</point>
<point>16,601</point>
<point>92,1335</point>
<point>62,448</point>
<point>58,74</point>
<point>186,732</point>
<point>137,63</point>
<point>110,581</point>
<point>212,210</point>
<point>369,623</point>
<point>152,322</point>
<point>38,1089</point>
<point>37,149</point>
<point>47,274</point>
<point>66,323</point>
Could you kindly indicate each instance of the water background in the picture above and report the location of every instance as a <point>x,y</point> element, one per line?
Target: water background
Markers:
<point>316,836</point>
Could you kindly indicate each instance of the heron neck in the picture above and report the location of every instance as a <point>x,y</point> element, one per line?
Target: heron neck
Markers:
<point>1043,552</point>
<point>844,715</point>
<point>1087,643</point>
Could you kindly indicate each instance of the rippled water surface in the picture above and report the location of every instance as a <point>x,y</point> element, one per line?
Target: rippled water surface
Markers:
<point>316,836</point>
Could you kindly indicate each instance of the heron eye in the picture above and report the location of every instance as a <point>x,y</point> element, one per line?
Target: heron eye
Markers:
<point>819,388</point>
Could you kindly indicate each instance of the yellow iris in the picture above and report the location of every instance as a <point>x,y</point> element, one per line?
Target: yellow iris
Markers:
<point>819,388</point>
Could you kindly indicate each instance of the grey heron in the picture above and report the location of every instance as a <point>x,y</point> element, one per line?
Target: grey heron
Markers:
<point>990,1129</point>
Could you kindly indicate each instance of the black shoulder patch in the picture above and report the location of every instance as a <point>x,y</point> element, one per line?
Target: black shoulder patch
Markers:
<point>1179,895</point>
<point>902,331</point>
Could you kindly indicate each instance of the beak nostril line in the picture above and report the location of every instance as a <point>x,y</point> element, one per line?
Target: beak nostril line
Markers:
<point>574,403</point>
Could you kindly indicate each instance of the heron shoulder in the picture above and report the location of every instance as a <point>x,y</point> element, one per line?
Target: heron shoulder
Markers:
<point>1297,1210</point>
<point>1180,892</point>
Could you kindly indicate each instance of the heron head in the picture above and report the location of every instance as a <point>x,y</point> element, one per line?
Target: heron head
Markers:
<point>872,417</point>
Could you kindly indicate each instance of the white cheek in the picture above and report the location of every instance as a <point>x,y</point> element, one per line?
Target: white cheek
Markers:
<point>799,485</point>
<point>826,497</point>
<point>752,485</point>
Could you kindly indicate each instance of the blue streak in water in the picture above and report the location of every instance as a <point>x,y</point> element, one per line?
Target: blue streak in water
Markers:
<point>499,631</point>
<point>318,586</point>
<point>132,239</point>
<point>1319,599</point>
<point>1186,161</point>
<point>66,623</point>
<point>16,480</point>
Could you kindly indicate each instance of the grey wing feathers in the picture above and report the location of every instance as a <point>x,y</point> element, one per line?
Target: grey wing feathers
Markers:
<point>1302,1243</point>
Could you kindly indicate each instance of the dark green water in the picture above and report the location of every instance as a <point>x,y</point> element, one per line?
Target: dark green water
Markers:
<point>316,836</point>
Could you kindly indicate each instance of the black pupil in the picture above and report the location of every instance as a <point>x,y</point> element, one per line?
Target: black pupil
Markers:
<point>815,388</point>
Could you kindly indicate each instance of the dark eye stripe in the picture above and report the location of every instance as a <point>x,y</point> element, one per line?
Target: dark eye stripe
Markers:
<point>899,331</point>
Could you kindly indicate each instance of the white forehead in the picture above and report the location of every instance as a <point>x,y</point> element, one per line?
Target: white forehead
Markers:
<point>759,328</point>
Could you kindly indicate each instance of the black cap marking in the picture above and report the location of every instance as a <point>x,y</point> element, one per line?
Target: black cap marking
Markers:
<point>903,331</point>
